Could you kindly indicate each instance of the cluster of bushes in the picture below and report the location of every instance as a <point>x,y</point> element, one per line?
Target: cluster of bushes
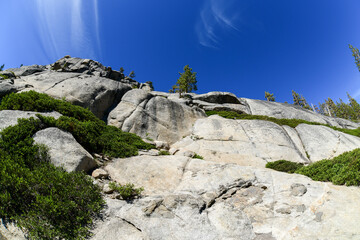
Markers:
<point>284,121</point>
<point>44,200</point>
<point>92,133</point>
<point>341,170</point>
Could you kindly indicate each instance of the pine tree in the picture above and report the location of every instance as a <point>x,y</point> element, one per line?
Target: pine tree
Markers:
<point>2,67</point>
<point>269,97</point>
<point>331,107</point>
<point>300,100</point>
<point>121,70</point>
<point>356,55</point>
<point>132,74</point>
<point>355,108</point>
<point>186,82</point>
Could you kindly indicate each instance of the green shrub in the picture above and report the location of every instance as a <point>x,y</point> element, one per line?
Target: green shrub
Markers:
<point>164,153</point>
<point>198,156</point>
<point>4,76</point>
<point>127,191</point>
<point>92,133</point>
<point>341,170</point>
<point>98,137</point>
<point>39,102</point>
<point>44,200</point>
<point>284,166</point>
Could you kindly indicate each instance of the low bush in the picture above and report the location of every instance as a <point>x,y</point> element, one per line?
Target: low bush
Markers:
<point>163,152</point>
<point>127,191</point>
<point>284,166</point>
<point>44,200</point>
<point>198,156</point>
<point>39,102</point>
<point>92,133</point>
<point>341,170</point>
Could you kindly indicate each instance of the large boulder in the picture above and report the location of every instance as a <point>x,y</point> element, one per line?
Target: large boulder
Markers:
<point>284,110</point>
<point>228,201</point>
<point>155,117</point>
<point>98,94</point>
<point>64,150</point>
<point>10,117</point>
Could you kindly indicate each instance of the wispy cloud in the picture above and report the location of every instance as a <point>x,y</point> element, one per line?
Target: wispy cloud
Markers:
<point>217,19</point>
<point>65,27</point>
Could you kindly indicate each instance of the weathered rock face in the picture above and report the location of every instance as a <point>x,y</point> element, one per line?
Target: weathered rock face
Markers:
<point>10,117</point>
<point>152,116</point>
<point>256,142</point>
<point>227,201</point>
<point>64,151</point>
<point>25,70</point>
<point>283,110</point>
<point>322,142</point>
<point>96,93</point>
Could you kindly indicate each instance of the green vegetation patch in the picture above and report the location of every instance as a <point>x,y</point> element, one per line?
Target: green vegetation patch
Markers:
<point>39,102</point>
<point>127,191</point>
<point>4,76</point>
<point>44,200</point>
<point>92,133</point>
<point>289,122</point>
<point>198,156</point>
<point>164,152</point>
<point>341,170</point>
<point>234,115</point>
<point>284,166</point>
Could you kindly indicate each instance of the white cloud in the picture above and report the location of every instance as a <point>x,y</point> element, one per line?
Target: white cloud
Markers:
<point>63,28</point>
<point>217,17</point>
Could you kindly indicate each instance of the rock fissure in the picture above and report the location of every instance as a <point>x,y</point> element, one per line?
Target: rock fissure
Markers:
<point>132,224</point>
<point>293,143</point>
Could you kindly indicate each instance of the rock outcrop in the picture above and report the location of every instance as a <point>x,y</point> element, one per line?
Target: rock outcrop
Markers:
<point>227,195</point>
<point>256,142</point>
<point>226,201</point>
<point>64,150</point>
<point>283,110</point>
<point>155,117</point>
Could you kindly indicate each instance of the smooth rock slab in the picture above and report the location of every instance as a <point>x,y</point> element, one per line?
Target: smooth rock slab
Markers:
<point>64,150</point>
<point>159,174</point>
<point>245,142</point>
<point>321,142</point>
<point>228,201</point>
<point>284,110</point>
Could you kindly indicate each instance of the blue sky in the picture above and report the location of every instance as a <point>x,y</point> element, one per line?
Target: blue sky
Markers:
<point>241,46</point>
